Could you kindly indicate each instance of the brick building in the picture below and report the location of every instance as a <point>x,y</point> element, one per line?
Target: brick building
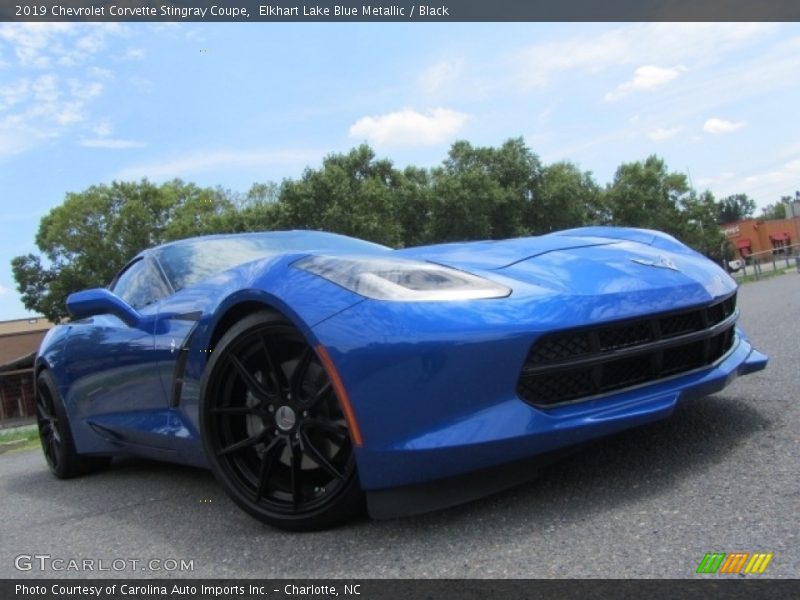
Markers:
<point>752,236</point>
<point>19,341</point>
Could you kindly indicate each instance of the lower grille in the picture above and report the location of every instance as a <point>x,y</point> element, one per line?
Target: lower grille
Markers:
<point>572,365</point>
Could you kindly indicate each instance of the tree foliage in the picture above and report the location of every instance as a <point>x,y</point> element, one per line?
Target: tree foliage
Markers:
<point>477,192</point>
<point>735,208</point>
<point>778,210</point>
<point>89,237</point>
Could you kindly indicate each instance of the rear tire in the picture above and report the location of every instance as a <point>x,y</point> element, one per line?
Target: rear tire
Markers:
<point>274,433</point>
<point>56,436</point>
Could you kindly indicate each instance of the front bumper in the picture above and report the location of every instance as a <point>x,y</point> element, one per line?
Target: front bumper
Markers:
<point>434,386</point>
<point>519,457</point>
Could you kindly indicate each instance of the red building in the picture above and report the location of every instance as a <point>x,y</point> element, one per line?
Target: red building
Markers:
<point>752,236</point>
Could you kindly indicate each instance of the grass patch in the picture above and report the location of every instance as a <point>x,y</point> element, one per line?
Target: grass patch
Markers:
<point>19,438</point>
<point>764,275</point>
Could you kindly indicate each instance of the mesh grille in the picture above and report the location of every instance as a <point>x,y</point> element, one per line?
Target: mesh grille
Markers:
<point>570,365</point>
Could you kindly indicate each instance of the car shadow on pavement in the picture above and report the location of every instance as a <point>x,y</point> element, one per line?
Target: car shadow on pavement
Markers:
<point>619,468</point>
<point>623,467</point>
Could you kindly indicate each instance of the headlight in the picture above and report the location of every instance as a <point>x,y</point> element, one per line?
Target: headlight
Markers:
<point>403,280</point>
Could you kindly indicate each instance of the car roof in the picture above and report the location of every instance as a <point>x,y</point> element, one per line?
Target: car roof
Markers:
<point>309,239</point>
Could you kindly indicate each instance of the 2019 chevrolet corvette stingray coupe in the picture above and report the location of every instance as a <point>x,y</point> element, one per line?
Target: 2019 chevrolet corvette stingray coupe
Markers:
<point>312,372</point>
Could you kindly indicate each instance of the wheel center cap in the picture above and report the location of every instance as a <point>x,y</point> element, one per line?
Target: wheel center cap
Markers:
<point>285,418</point>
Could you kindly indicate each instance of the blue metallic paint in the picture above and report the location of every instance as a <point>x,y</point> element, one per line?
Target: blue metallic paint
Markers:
<point>432,384</point>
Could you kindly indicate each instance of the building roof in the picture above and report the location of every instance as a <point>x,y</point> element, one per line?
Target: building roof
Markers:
<point>34,323</point>
<point>19,341</point>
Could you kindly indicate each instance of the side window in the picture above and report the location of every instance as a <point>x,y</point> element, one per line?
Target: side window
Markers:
<point>139,284</point>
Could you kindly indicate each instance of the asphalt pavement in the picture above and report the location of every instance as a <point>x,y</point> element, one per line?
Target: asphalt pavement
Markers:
<point>721,475</point>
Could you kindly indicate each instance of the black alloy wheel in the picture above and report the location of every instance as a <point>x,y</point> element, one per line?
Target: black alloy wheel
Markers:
<point>274,432</point>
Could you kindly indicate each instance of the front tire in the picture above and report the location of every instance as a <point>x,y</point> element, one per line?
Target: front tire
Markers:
<point>274,432</point>
<point>56,436</point>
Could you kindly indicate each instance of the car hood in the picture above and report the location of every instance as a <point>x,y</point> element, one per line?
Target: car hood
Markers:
<point>498,254</point>
<point>612,262</point>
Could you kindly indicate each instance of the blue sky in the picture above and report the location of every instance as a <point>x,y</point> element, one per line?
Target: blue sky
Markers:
<point>234,104</point>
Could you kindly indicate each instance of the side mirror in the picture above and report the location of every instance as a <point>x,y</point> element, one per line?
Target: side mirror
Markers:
<point>100,301</point>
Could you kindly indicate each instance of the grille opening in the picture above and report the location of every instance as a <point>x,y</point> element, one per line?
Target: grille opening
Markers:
<point>554,372</point>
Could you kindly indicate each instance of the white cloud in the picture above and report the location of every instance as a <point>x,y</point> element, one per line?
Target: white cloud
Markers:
<point>111,143</point>
<point>85,90</point>
<point>645,78</point>
<point>717,126</point>
<point>42,108</point>
<point>134,54</point>
<point>439,76</point>
<point>31,41</point>
<point>55,80</point>
<point>14,93</point>
<point>663,133</point>
<point>409,127</point>
<point>141,84</point>
<point>721,179</point>
<point>102,128</point>
<point>650,43</point>
<point>43,45</point>
<point>4,290</point>
<point>222,160</point>
<point>765,186</point>
<point>101,73</point>
<point>787,174</point>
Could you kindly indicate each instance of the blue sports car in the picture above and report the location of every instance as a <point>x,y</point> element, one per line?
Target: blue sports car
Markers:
<point>315,373</point>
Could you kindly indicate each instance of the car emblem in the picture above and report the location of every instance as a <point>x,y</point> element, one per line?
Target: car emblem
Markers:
<point>662,263</point>
<point>285,418</point>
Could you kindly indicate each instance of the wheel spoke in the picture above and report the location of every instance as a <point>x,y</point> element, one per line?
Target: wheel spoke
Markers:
<point>274,373</point>
<point>317,456</point>
<point>295,477</point>
<point>322,393</point>
<point>53,450</point>
<point>299,373</point>
<point>234,410</point>
<point>332,428</point>
<point>245,443</point>
<point>267,462</point>
<point>43,413</point>
<point>56,435</point>
<point>254,386</point>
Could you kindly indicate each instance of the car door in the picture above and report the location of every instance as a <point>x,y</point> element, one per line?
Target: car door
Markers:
<point>116,386</point>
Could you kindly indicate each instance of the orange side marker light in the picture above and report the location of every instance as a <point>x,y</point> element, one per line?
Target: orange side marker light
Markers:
<point>341,394</point>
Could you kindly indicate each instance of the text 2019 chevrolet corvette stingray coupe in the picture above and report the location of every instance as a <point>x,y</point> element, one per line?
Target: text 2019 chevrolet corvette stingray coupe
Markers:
<point>312,371</point>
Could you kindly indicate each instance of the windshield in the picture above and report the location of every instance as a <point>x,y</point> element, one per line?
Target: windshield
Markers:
<point>189,262</point>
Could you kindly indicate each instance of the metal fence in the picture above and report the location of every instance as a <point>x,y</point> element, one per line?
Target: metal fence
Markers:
<point>758,263</point>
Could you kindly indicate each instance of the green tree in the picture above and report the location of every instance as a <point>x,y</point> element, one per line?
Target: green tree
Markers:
<point>89,237</point>
<point>352,194</point>
<point>485,192</point>
<point>568,198</point>
<point>735,208</point>
<point>778,210</point>
<point>412,201</point>
<point>699,228</point>
<point>645,194</point>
